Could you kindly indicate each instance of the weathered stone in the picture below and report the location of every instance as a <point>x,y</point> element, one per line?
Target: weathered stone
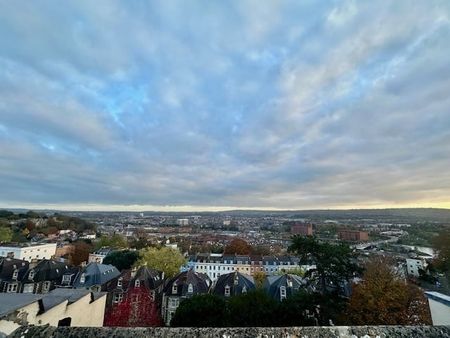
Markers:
<point>236,332</point>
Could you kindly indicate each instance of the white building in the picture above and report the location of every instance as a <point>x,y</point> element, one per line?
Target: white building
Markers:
<point>60,307</point>
<point>28,251</point>
<point>183,221</point>
<point>413,265</point>
<point>439,307</point>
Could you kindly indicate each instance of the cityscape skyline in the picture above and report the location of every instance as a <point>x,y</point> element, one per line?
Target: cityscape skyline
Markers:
<point>210,106</point>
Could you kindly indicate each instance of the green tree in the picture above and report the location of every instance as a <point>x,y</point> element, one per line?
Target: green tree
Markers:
<point>114,241</point>
<point>164,259</point>
<point>255,308</point>
<point>441,243</point>
<point>122,259</point>
<point>201,311</point>
<point>334,262</point>
<point>5,234</point>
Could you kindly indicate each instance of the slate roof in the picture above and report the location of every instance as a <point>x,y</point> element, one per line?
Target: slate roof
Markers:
<point>47,270</point>
<point>152,279</point>
<point>200,284</point>
<point>9,265</point>
<point>96,274</point>
<point>292,283</point>
<point>9,302</point>
<point>236,281</point>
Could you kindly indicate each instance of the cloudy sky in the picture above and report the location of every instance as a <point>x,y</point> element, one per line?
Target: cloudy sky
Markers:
<point>215,104</point>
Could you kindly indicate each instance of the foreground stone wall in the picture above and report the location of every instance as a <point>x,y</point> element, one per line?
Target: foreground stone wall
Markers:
<point>260,332</point>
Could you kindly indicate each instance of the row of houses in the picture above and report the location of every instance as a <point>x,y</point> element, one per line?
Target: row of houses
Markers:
<point>215,265</point>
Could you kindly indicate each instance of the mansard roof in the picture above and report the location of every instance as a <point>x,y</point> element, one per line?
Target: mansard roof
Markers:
<point>96,274</point>
<point>199,281</point>
<point>292,284</point>
<point>237,283</point>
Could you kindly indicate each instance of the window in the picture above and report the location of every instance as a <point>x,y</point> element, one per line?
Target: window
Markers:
<point>66,279</point>
<point>173,302</point>
<point>31,275</point>
<point>227,291</point>
<point>152,295</point>
<point>282,292</point>
<point>244,289</point>
<point>12,288</point>
<point>174,289</point>
<point>119,282</point>
<point>15,274</point>
<point>190,288</point>
<point>46,287</point>
<point>134,298</point>
<point>137,283</point>
<point>118,297</point>
<point>82,278</point>
<point>28,288</point>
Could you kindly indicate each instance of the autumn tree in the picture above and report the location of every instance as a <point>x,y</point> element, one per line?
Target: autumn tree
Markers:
<point>81,252</point>
<point>383,298</point>
<point>259,277</point>
<point>238,246</point>
<point>163,259</point>
<point>333,262</point>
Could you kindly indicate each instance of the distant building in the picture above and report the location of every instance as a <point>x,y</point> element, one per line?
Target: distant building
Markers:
<point>99,255</point>
<point>281,287</point>
<point>414,265</point>
<point>439,307</point>
<point>28,251</point>
<point>215,265</point>
<point>233,284</point>
<point>61,307</point>
<point>183,221</point>
<point>184,285</point>
<point>304,229</point>
<point>353,235</point>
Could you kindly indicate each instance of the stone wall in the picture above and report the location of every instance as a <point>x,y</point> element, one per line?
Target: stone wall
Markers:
<point>280,332</point>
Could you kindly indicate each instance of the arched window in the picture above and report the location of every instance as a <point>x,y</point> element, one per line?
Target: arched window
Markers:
<point>15,274</point>
<point>82,278</point>
<point>174,288</point>
<point>190,288</point>
<point>31,275</point>
<point>137,283</point>
<point>244,289</point>
<point>227,291</point>
<point>282,292</point>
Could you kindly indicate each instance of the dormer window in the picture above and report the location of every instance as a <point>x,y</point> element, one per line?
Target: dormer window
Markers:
<point>66,279</point>
<point>119,282</point>
<point>174,288</point>
<point>227,291</point>
<point>15,274</point>
<point>31,275</point>
<point>190,288</point>
<point>137,283</point>
<point>282,292</point>
<point>82,278</point>
<point>244,289</point>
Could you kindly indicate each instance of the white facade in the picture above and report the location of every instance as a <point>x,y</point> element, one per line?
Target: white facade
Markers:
<point>439,307</point>
<point>29,251</point>
<point>413,265</point>
<point>183,221</point>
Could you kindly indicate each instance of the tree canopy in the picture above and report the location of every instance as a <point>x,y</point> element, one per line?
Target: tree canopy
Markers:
<point>201,311</point>
<point>122,259</point>
<point>5,234</point>
<point>333,262</point>
<point>238,246</point>
<point>114,241</point>
<point>441,243</point>
<point>164,259</point>
<point>383,298</point>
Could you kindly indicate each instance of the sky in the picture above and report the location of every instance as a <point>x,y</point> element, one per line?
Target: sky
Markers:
<point>210,105</point>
